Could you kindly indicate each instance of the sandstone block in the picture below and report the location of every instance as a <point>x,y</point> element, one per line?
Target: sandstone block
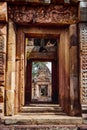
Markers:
<point>1,94</point>
<point>1,78</point>
<point>3,12</point>
<point>9,102</point>
<point>11,66</point>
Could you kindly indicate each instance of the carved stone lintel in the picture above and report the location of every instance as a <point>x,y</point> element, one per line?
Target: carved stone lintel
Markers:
<point>52,14</point>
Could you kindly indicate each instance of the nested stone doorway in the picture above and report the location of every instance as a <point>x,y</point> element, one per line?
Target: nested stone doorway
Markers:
<point>31,26</point>
<point>41,70</point>
<point>60,59</point>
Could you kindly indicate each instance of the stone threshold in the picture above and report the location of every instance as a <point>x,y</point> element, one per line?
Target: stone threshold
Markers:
<point>41,120</point>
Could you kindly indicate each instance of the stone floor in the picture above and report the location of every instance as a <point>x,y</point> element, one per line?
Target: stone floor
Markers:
<point>50,117</point>
<point>43,127</point>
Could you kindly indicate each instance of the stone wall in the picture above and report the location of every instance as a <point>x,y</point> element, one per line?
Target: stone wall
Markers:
<point>83,62</point>
<point>83,56</point>
<point>3,32</point>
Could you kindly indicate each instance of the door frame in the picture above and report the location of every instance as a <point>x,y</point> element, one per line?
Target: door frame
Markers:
<point>40,31</point>
<point>65,87</point>
<point>55,88</point>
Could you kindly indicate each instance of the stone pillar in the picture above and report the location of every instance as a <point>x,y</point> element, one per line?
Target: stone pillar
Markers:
<point>83,64</point>
<point>37,91</point>
<point>10,76</point>
<point>20,69</point>
<point>64,75</point>
<point>3,33</point>
<point>2,65</point>
<point>75,108</point>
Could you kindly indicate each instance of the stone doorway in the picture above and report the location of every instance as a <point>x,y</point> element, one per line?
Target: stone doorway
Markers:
<point>22,25</point>
<point>61,94</point>
<point>41,82</point>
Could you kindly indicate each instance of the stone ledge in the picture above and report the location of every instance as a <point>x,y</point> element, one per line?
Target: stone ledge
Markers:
<point>39,127</point>
<point>41,120</point>
<point>82,127</point>
<point>43,127</point>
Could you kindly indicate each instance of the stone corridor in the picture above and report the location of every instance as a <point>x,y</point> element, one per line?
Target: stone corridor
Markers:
<point>65,21</point>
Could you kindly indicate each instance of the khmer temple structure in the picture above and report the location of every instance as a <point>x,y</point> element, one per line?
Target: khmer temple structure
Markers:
<point>52,31</point>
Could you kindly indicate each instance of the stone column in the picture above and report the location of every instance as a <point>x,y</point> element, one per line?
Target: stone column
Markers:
<point>3,33</point>
<point>75,108</point>
<point>10,76</point>
<point>2,65</point>
<point>64,75</point>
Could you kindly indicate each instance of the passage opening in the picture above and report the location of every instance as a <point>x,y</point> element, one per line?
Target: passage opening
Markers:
<point>41,82</point>
<point>41,57</point>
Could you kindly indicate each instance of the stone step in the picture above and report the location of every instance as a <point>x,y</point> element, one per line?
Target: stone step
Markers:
<point>82,127</point>
<point>43,127</point>
<point>40,108</point>
<point>42,113</point>
<point>41,120</point>
<point>39,127</point>
<point>43,104</point>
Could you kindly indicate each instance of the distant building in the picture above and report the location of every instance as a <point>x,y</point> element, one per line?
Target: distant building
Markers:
<point>42,86</point>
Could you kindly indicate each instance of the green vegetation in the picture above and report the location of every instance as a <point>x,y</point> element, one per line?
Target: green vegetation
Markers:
<point>36,66</point>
